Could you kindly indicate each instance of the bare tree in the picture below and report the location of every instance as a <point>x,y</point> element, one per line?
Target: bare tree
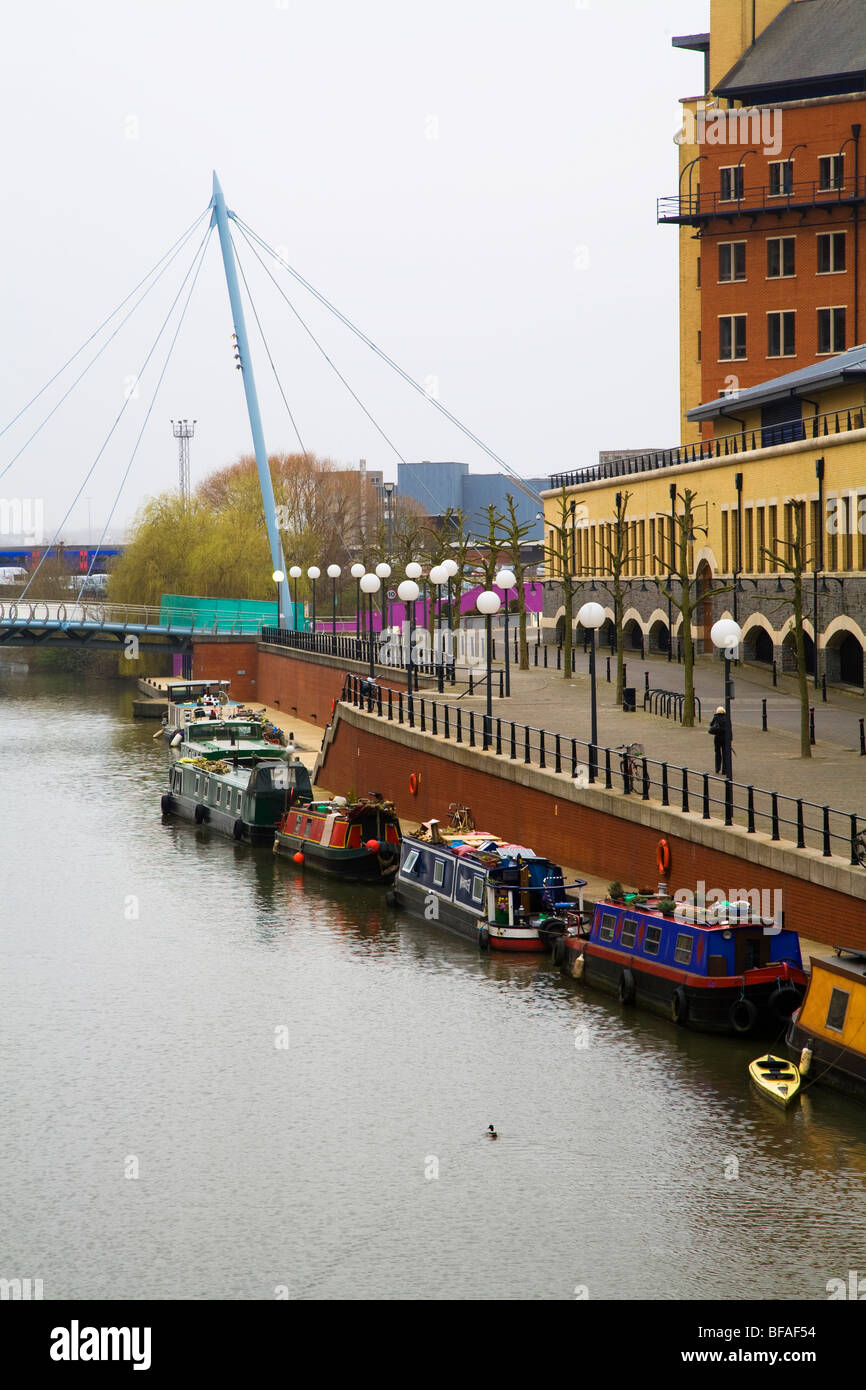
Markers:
<point>795,556</point>
<point>513,535</point>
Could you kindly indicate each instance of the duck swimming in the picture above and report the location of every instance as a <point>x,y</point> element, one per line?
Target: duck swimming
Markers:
<point>491,1133</point>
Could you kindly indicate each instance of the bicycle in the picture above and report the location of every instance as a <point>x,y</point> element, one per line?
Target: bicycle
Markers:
<point>462,819</point>
<point>630,753</point>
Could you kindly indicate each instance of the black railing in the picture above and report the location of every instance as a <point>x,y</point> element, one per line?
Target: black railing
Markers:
<point>705,796</point>
<point>804,193</point>
<point>744,441</point>
<point>357,649</point>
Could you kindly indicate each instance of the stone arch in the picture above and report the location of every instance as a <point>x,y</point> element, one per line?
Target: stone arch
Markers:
<point>704,604</point>
<point>843,652</point>
<point>789,651</point>
<point>632,634</point>
<point>758,640</point>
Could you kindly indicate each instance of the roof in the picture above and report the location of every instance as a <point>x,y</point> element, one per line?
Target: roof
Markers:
<point>812,47</point>
<point>830,372</point>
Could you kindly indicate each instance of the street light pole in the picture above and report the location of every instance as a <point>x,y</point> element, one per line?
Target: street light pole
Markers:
<point>726,636</point>
<point>295,573</point>
<point>488,603</point>
<point>370,584</point>
<point>278,577</point>
<point>313,574</point>
<point>356,572</point>
<point>334,574</point>
<point>590,617</point>
<point>506,580</point>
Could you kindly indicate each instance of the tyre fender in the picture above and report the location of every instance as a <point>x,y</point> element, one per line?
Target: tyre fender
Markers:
<point>626,987</point>
<point>200,813</point>
<point>238,829</point>
<point>782,1002</point>
<point>559,951</point>
<point>743,1016</point>
<point>679,1006</point>
<point>484,939</point>
<point>167,805</point>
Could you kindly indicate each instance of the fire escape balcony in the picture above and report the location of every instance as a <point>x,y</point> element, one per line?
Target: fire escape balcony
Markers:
<point>697,208</point>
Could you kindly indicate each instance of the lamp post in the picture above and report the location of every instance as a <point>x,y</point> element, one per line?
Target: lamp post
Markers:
<point>439,576</point>
<point>384,572</point>
<point>488,603</point>
<point>451,567</point>
<point>295,573</point>
<point>278,578</point>
<point>334,574</point>
<point>413,572</point>
<point>726,635</point>
<point>356,571</point>
<point>370,585</point>
<point>313,573</point>
<point>506,580</point>
<point>408,592</point>
<point>591,617</point>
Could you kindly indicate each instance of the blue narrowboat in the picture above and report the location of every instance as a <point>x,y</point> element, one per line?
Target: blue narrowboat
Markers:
<point>730,973</point>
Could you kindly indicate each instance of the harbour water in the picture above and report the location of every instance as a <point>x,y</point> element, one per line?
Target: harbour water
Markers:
<point>223,1079</point>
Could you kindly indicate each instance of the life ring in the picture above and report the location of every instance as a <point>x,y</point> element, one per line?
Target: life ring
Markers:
<point>679,1006</point>
<point>743,1016</point>
<point>626,987</point>
<point>333,707</point>
<point>414,781</point>
<point>663,857</point>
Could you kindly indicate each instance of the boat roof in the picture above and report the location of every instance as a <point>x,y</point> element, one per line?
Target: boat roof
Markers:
<point>854,965</point>
<point>650,909</point>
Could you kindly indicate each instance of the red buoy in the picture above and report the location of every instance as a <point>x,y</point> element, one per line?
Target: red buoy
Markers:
<point>372,846</point>
<point>298,857</point>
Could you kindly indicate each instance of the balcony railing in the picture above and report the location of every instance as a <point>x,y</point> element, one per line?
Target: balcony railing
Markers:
<point>744,441</point>
<point>701,204</point>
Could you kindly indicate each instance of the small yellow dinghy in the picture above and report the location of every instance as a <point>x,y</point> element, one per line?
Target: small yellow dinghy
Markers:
<point>776,1078</point>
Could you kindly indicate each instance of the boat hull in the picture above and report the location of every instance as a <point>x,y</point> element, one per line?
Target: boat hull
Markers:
<point>216,819</point>
<point>356,865</point>
<point>703,1004</point>
<point>775,1078</point>
<point>471,927</point>
<point>840,1068</point>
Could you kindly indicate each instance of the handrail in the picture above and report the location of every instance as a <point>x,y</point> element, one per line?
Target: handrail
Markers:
<point>820,426</point>
<point>758,198</point>
<point>701,794</point>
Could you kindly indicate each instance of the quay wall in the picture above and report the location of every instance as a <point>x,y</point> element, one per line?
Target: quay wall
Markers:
<point>599,832</point>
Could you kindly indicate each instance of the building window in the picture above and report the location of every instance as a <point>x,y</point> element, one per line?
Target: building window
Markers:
<point>831,331</point>
<point>831,172</point>
<point>837,1010</point>
<point>750,540</point>
<point>781,178</point>
<point>732,260</point>
<point>780,257</point>
<point>780,334</point>
<point>732,337</point>
<point>731,183</point>
<point>725,566</point>
<point>652,542</point>
<point>773,529</point>
<point>761,559</point>
<point>831,253</point>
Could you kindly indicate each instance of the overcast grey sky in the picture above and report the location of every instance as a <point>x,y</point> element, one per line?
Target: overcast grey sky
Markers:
<point>473,182</point>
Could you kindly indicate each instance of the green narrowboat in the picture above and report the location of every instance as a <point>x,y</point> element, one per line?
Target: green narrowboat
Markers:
<point>242,800</point>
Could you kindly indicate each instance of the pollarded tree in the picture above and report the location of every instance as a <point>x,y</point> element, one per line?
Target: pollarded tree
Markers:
<point>557,553</point>
<point>795,556</point>
<point>618,554</point>
<point>513,535</point>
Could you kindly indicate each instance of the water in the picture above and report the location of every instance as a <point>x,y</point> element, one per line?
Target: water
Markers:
<point>147,972</point>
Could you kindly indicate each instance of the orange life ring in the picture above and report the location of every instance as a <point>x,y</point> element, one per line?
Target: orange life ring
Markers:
<point>413,784</point>
<point>333,705</point>
<point>663,856</point>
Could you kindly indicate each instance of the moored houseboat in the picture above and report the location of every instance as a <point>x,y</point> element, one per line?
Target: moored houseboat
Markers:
<point>358,840</point>
<point>497,896</point>
<point>730,974</point>
<point>245,801</point>
<point>829,1030</point>
<point>246,739</point>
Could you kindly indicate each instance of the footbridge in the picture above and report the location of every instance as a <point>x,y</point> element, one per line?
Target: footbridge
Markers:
<point>94,624</point>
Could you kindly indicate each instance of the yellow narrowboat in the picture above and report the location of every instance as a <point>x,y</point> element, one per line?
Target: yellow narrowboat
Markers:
<point>829,1028</point>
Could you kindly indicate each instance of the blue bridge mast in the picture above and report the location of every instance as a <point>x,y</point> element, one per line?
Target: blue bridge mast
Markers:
<point>220,217</point>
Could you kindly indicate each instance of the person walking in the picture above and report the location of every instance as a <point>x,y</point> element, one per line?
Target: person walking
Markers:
<point>719,729</point>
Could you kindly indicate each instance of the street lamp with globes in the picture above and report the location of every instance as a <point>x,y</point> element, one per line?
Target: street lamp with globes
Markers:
<point>439,577</point>
<point>334,574</point>
<point>451,567</point>
<point>356,571</point>
<point>278,578</point>
<point>506,580</point>
<point>370,585</point>
<point>313,573</point>
<point>488,603</point>
<point>725,636</point>
<point>591,616</point>
<point>384,572</point>
<point>295,573</point>
<point>408,592</point>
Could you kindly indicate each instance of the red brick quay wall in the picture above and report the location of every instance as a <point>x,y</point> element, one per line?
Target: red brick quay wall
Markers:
<point>602,833</point>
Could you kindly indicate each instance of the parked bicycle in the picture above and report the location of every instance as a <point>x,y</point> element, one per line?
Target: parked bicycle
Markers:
<point>629,760</point>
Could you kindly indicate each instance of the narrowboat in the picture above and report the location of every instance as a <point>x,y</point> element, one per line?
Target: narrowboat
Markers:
<point>358,840</point>
<point>224,739</point>
<point>244,801</point>
<point>727,973</point>
<point>193,701</point>
<point>829,1029</point>
<point>497,896</point>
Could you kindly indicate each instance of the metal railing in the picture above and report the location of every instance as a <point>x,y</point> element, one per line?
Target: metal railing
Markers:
<point>818,426</point>
<point>802,193</point>
<point>358,649</point>
<point>668,703</point>
<point>94,613</point>
<point>799,822</point>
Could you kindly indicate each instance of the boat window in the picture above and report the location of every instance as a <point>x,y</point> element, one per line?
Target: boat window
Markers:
<point>477,888</point>
<point>219,795</point>
<point>410,861</point>
<point>683,952</point>
<point>653,938</point>
<point>608,926</point>
<point>837,1010</point>
<point>197,780</point>
<point>238,802</point>
<point>438,873</point>
<point>629,931</point>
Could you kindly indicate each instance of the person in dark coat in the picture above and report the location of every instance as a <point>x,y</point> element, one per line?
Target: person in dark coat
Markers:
<point>719,731</point>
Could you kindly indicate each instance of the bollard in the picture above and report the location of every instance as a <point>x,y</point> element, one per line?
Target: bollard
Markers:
<point>646,683</point>
<point>545,656</point>
<point>774,673</point>
<point>559,658</point>
<point>811,723</point>
<point>764,715</point>
<point>535,654</point>
<point>608,670</point>
<point>471,684</point>
<point>824,688</point>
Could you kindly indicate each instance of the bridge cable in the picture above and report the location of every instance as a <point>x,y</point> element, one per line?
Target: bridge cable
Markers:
<point>118,418</point>
<point>178,247</point>
<point>491,453</point>
<point>201,255</point>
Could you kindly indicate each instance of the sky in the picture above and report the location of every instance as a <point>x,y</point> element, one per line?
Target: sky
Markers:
<point>473,183</point>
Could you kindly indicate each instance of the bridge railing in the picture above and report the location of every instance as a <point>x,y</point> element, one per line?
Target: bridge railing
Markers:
<point>57,612</point>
